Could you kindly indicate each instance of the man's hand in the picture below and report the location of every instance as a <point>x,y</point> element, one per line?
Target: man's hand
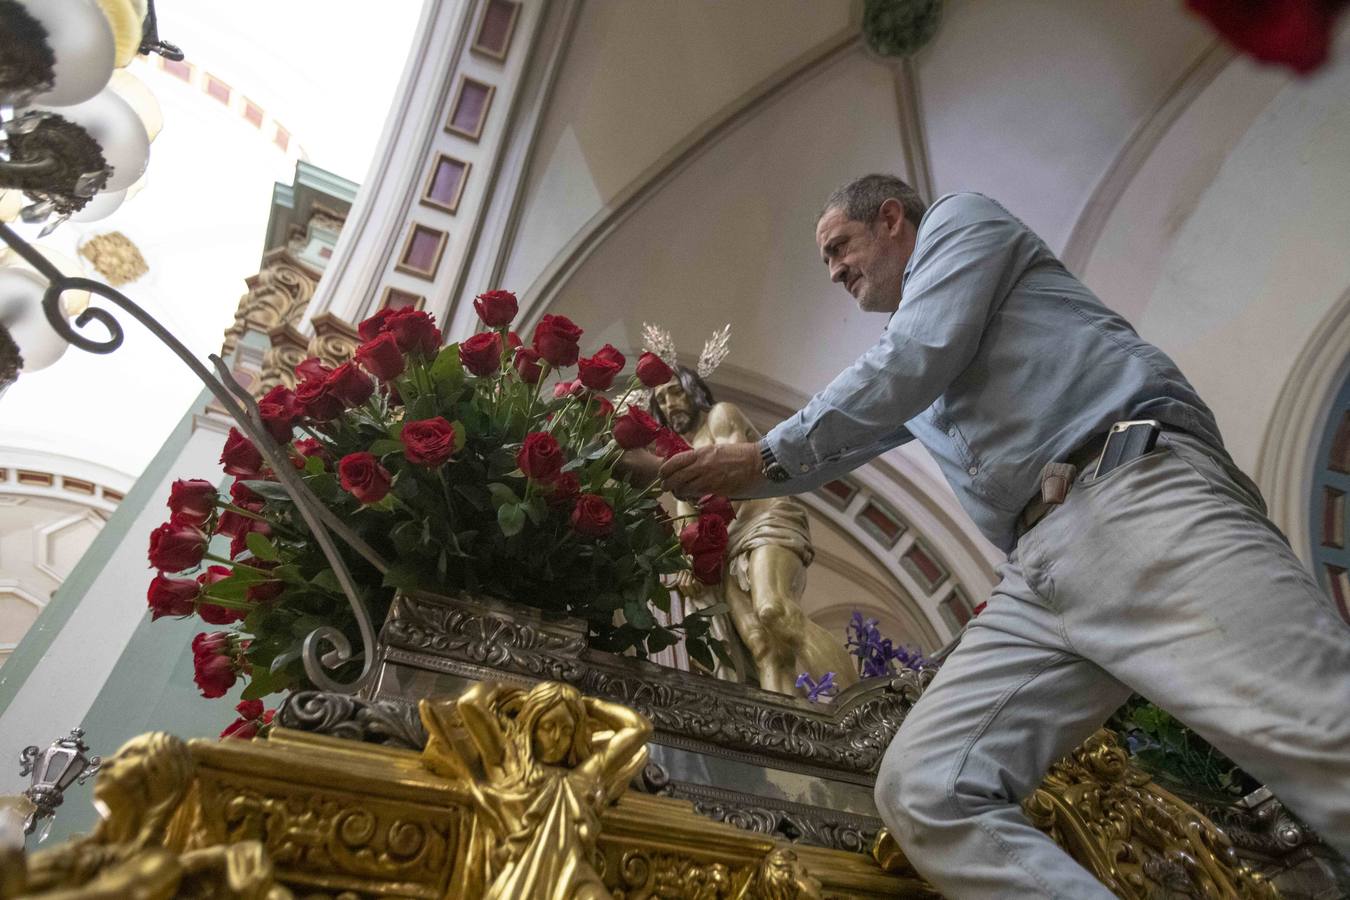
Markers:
<point>731,470</point>
<point>637,467</point>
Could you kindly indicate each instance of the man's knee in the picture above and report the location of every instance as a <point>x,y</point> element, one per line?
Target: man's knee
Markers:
<point>911,794</point>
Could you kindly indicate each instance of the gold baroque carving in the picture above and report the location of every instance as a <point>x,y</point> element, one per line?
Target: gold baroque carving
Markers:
<point>277,296</point>
<point>1136,838</point>
<point>129,854</point>
<point>115,257</point>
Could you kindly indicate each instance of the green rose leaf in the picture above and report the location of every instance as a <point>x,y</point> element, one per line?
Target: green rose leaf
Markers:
<point>268,490</point>
<point>261,547</point>
<point>699,653</point>
<point>511,518</point>
<point>385,446</point>
<point>638,615</point>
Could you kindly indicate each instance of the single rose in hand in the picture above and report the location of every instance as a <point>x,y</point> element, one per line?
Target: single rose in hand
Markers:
<point>496,308</point>
<point>556,339</point>
<point>527,365</point>
<point>635,429</point>
<point>599,371</point>
<point>708,567</point>
<point>350,385</point>
<point>540,457</point>
<point>482,353</point>
<point>381,357</point>
<point>706,534</point>
<point>717,505</point>
<point>240,457</point>
<point>592,516</point>
<point>192,500</point>
<point>428,442</point>
<point>652,370</point>
<point>363,477</point>
<point>279,411</point>
<point>171,596</point>
<point>669,443</point>
<point>175,546</point>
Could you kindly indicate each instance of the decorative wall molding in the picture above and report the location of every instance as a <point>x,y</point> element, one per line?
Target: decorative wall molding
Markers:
<point>1137,149</point>
<point>913,137</point>
<point>539,296</point>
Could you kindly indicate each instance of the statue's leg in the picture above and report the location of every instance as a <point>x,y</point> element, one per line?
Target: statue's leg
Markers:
<point>1010,701</point>
<point>749,628</point>
<point>776,581</point>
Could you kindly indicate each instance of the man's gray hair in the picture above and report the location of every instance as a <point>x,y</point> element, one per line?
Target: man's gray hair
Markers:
<point>861,199</point>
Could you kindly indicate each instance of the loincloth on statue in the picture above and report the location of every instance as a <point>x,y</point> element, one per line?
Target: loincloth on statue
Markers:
<point>775,522</point>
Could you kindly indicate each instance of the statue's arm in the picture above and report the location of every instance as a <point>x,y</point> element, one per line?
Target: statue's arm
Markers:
<point>475,708</point>
<point>728,425</point>
<point>631,733</point>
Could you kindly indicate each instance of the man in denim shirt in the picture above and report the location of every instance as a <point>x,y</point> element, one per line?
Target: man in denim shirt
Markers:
<point>1162,576</point>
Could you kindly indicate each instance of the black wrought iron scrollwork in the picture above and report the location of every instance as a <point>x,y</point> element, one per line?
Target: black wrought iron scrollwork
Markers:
<point>326,648</point>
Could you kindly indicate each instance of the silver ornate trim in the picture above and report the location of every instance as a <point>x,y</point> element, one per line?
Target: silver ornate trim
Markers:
<point>468,636</point>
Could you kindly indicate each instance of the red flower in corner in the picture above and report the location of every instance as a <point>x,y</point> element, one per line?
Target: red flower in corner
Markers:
<point>1293,33</point>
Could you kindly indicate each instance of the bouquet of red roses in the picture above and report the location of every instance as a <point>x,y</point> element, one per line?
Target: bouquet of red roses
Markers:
<point>462,470</point>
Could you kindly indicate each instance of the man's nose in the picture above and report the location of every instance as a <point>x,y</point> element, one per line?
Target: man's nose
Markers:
<point>837,272</point>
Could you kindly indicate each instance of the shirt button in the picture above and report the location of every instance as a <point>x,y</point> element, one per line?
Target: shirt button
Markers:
<point>972,471</point>
<point>951,432</point>
<point>805,467</point>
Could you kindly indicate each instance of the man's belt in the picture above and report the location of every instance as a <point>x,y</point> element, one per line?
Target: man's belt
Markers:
<point>1056,480</point>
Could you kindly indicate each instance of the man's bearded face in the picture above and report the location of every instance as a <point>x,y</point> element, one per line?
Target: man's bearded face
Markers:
<point>677,407</point>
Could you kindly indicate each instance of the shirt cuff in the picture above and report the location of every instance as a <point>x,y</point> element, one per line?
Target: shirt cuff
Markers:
<point>795,456</point>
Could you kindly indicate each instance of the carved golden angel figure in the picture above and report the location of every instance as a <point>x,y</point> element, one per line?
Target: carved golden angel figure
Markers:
<point>542,764</point>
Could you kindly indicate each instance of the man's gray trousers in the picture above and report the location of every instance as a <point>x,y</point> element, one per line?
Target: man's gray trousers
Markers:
<point>1164,577</point>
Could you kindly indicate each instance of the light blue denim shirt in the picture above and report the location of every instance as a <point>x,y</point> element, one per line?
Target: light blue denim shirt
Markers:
<point>998,361</point>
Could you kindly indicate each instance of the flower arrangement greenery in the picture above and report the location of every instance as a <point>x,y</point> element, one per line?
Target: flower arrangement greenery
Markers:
<point>462,469</point>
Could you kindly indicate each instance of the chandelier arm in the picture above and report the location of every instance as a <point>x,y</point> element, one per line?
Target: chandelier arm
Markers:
<point>241,407</point>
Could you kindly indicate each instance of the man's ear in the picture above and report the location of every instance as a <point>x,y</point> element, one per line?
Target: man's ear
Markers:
<point>892,216</point>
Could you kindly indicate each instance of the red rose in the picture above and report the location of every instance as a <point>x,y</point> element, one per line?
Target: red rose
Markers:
<point>1295,33</point>
<point>304,449</point>
<point>564,489</point>
<point>210,612</point>
<point>312,369</point>
<point>556,340</point>
<point>350,385</point>
<point>240,457</point>
<point>381,357</point>
<point>375,324</point>
<point>319,400</point>
<point>563,388</point>
<point>263,591</point>
<point>496,308</point>
<point>592,516</point>
<point>171,596</point>
<point>652,370</point>
<point>602,407</point>
<point>428,442</point>
<point>279,410</point>
<point>251,718</point>
<point>635,429</point>
<point>192,500</point>
<point>363,477</point>
<point>482,353</point>
<point>708,567</point>
<point>175,546</point>
<point>245,497</point>
<point>415,331</point>
<point>513,341</point>
<point>540,457</point>
<point>717,505</point>
<point>598,372</point>
<point>707,534</point>
<point>527,365</point>
<point>668,444</point>
<point>215,669</point>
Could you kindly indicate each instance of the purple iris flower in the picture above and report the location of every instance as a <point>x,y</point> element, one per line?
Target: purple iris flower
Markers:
<point>825,687</point>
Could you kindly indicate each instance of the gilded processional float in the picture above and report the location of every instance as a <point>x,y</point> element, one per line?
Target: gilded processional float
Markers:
<point>434,554</point>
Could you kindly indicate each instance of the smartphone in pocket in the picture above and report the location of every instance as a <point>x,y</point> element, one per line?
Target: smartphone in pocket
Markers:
<point>1126,441</point>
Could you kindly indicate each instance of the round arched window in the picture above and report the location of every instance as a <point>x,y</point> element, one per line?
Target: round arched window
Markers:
<point>1329,510</point>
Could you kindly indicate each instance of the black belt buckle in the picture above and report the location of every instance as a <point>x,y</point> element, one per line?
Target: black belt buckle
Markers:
<point>1126,441</point>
